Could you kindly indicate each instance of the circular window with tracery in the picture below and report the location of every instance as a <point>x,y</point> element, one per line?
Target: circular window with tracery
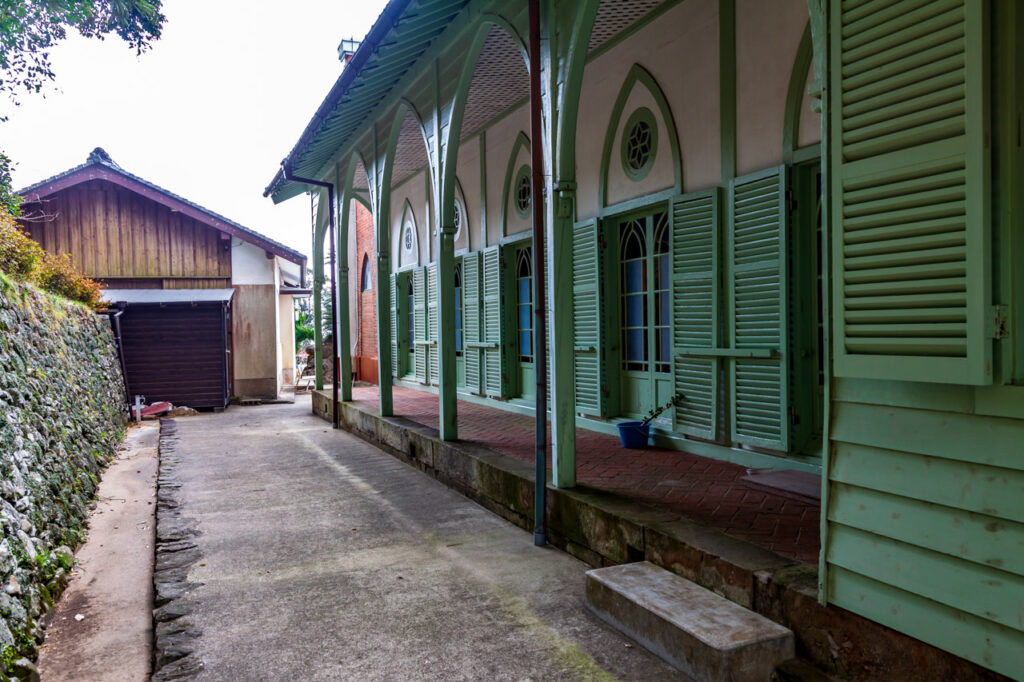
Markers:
<point>407,239</point>
<point>458,218</point>
<point>523,192</point>
<point>639,143</point>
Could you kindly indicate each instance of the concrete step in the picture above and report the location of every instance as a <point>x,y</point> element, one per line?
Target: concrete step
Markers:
<point>706,636</point>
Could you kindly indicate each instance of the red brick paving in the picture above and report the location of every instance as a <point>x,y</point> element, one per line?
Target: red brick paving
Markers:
<point>705,490</point>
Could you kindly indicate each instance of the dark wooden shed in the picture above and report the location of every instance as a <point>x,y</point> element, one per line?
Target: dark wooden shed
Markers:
<point>176,344</point>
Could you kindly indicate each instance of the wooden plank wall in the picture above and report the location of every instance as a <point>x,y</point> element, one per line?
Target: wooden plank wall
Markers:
<point>110,233</point>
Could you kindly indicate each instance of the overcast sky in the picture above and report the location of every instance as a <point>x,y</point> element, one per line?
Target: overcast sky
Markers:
<point>207,113</point>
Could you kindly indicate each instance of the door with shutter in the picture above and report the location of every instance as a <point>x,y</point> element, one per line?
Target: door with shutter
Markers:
<point>493,357</point>
<point>910,192</point>
<point>393,307</point>
<point>588,365</point>
<point>432,325</point>
<point>471,291</point>
<point>695,306</point>
<point>758,309</point>
<point>419,292</point>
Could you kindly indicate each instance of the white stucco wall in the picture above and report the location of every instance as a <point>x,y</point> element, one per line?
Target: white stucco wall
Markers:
<point>250,265</point>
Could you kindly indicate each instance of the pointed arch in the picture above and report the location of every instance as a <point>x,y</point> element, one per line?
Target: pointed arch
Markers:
<point>408,238</point>
<point>795,97</point>
<point>639,76</point>
<point>522,142</point>
<point>461,217</point>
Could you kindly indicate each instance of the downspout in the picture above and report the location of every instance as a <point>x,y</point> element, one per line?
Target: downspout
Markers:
<point>115,326</point>
<point>334,285</point>
<point>540,335</point>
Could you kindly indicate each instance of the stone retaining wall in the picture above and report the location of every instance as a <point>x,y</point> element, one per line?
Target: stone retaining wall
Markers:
<point>61,418</point>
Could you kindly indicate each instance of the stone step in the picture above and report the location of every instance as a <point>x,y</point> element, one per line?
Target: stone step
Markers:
<point>706,636</point>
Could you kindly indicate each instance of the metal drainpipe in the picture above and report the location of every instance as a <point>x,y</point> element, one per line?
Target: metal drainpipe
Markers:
<point>115,326</point>
<point>334,285</point>
<point>540,336</point>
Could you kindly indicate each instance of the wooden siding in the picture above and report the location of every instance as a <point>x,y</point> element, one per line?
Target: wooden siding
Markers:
<point>161,283</point>
<point>925,527</point>
<point>110,232</point>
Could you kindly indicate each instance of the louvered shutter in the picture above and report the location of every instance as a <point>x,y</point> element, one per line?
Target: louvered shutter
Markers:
<point>587,317</point>
<point>493,354</point>
<point>393,306</point>
<point>432,330</point>
<point>758,309</point>
<point>419,299</point>
<point>471,319</point>
<point>911,233</point>
<point>695,312</point>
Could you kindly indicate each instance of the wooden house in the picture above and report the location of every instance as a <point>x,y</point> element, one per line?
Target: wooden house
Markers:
<point>207,302</point>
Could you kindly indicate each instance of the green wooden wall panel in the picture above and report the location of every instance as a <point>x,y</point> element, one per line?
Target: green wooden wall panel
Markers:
<point>432,324</point>
<point>588,352</point>
<point>994,441</point>
<point>472,328</point>
<point>419,298</point>
<point>980,590</point>
<point>919,395</point>
<point>976,639</point>
<point>393,305</point>
<point>492,317</point>
<point>696,311</point>
<point>910,189</point>
<point>971,487</point>
<point>757,275</point>
<point>977,538</point>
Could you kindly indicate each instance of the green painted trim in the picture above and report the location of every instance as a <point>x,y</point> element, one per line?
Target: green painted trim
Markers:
<point>524,236</point>
<point>638,205</point>
<point>632,29</point>
<point>408,212</point>
<point>639,75</point>
<point>727,86</point>
<point>641,115</point>
<point>365,201</point>
<point>795,95</point>
<point>522,142</point>
<point>805,154</point>
<point>483,189</point>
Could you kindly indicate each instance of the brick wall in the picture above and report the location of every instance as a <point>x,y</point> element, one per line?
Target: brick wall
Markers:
<point>365,362</point>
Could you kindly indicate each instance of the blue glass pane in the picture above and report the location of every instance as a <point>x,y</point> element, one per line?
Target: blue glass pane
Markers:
<point>665,352</point>
<point>665,313</point>
<point>634,276</point>
<point>525,343</point>
<point>635,345</point>
<point>524,290</point>
<point>634,311</point>
<point>458,340</point>
<point>525,317</point>
<point>412,331</point>
<point>664,276</point>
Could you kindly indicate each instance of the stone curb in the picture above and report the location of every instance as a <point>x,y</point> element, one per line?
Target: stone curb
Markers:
<point>174,637</point>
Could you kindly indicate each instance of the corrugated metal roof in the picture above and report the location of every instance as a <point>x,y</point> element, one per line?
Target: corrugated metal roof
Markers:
<point>158,296</point>
<point>401,34</point>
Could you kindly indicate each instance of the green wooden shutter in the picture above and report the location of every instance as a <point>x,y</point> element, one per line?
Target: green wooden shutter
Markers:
<point>587,317</point>
<point>493,355</point>
<point>419,299</point>
<point>758,309</point>
<point>695,312</point>
<point>910,192</point>
<point>432,331</point>
<point>471,329</point>
<point>393,305</point>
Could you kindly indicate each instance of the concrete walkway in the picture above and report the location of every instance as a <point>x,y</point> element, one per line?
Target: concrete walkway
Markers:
<point>323,558</point>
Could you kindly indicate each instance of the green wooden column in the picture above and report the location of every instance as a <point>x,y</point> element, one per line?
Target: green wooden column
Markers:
<point>343,192</point>
<point>318,304</point>
<point>448,380</point>
<point>566,31</point>
<point>379,180</point>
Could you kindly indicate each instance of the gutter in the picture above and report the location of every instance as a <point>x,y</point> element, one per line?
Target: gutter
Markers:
<point>387,20</point>
<point>335,380</point>
<point>115,326</point>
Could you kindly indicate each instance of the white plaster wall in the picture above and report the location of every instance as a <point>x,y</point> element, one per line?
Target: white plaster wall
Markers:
<point>768,34</point>
<point>515,223</point>
<point>500,139</point>
<point>662,174</point>
<point>414,191</point>
<point>277,327</point>
<point>250,265</point>
<point>810,121</point>
<point>286,319</point>
<point>680,50</point>
<point>468,172</point>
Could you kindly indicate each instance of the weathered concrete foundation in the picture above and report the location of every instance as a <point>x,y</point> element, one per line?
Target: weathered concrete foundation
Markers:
<point>607,529</point>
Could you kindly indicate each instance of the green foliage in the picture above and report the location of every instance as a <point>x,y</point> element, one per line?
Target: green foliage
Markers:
<point>8,199</point>
<point>23,259</point>
<point>303,328</point>
<point>676,401</point>
<point>9,656</point>
<point>29,29</point>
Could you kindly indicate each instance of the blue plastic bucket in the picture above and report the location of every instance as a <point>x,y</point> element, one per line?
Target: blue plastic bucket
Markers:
<point>634,434</point>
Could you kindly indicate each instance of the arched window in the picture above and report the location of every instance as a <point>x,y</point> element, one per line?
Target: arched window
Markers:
<point>365,278</point>
<point>524,304</point>
<point>633,250</point>
<point>662,295</point>
<point>411,308</point>
<point>458,308</point>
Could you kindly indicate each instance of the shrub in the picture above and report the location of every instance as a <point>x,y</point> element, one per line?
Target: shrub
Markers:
<point>57,275</point>
<point>19,255</point>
